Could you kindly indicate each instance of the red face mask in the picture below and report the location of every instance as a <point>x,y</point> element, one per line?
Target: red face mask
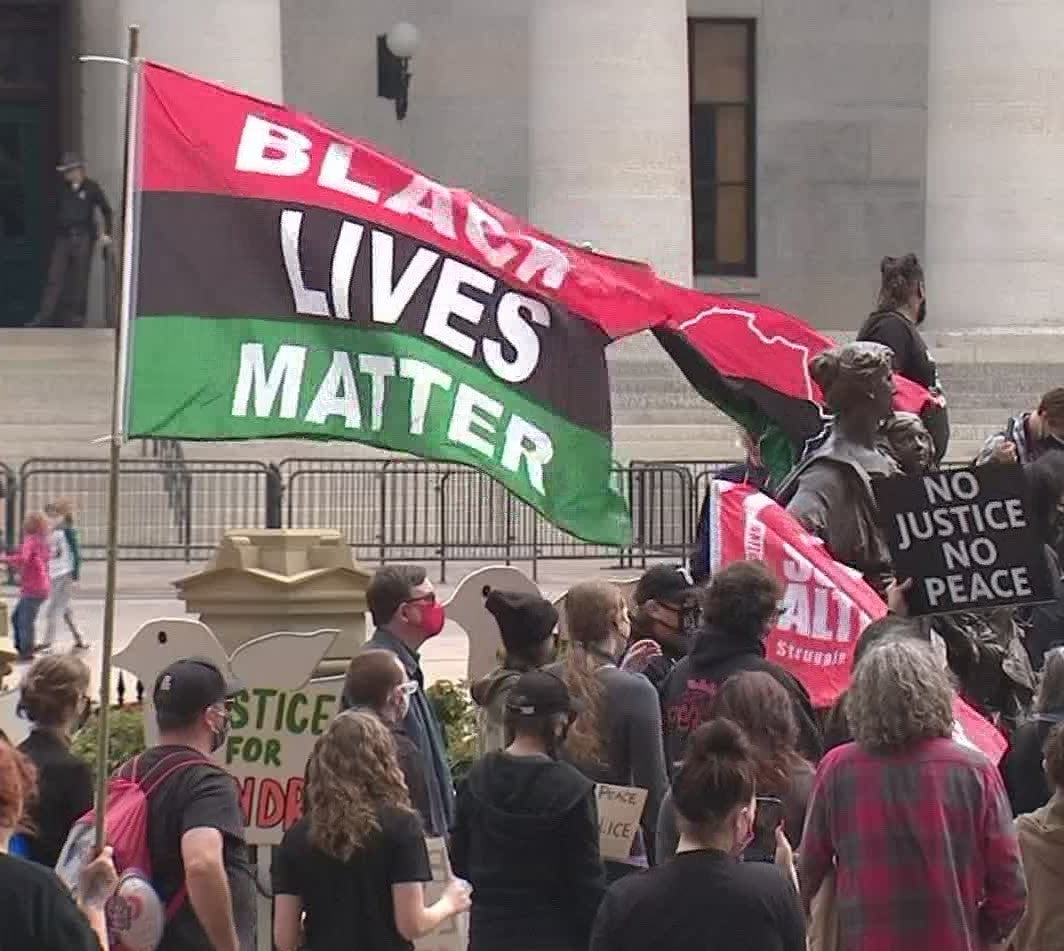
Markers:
<point>432,618</point>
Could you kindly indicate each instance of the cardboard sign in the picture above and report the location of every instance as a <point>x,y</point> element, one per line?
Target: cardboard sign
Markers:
<point>619,810</point>
<point>272,734</point>
<point>452,935</point>
<point>275,719</point>
<point>965,537</point>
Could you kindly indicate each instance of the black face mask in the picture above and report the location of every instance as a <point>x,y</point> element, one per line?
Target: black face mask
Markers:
<point>921,313</point>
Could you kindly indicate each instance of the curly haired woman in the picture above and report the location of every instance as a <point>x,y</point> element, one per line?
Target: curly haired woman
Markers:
<point>357,863</point>
<point>917,827</point>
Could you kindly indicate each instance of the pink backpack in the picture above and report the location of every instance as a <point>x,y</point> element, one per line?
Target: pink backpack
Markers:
<point>136,917</point>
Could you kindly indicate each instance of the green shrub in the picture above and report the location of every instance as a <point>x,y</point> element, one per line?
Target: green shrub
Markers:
<point>457,715</point>
<point>126,727</point>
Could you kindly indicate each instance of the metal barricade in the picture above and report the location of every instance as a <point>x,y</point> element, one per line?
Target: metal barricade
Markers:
<point>403,509</point>
<point>165,513</point>
<point>9,527</point>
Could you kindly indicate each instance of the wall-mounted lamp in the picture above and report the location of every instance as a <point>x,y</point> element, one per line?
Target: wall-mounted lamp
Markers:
<point>394,50</point>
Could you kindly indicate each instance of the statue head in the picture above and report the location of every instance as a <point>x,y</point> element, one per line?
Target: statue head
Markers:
<point>909,443</point>
<point>857,382</point>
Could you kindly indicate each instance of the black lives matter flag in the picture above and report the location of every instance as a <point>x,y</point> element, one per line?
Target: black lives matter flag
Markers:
<point>294,282</point>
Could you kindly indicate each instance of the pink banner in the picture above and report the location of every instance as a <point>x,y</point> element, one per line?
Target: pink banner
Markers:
<point>825,606</point>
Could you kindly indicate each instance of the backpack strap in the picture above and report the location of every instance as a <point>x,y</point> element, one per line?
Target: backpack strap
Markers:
<point>167,766</point>
<point>157,775</point>
<point>173,906</point>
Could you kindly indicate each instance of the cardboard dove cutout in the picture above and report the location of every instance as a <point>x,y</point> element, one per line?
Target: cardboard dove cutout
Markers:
<point>276,717</point>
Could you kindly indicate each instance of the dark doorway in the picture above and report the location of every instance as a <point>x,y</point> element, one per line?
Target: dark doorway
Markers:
<point>30,101</point>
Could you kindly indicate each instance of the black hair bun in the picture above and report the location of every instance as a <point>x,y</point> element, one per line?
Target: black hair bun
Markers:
<point>718,737</point>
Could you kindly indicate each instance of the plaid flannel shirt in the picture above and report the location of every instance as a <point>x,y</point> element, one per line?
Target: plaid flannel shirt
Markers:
<point>923,847</point>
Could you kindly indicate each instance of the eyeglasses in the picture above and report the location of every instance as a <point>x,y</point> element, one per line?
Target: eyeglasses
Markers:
<point>429,598</point>
<point>408,687</point>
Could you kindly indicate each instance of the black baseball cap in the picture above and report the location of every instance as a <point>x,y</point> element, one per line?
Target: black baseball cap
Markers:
<point>664,583</point>
<point>187,687</point>
<point>538,693</point>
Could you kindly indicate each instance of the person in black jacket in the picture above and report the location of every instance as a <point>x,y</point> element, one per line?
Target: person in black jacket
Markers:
<point>704,898</point>
<point>1025,779</point>
<point>376,681</point>
<point>84,217</point>
<point>738,608</point>
<point>666,618</point>
<point>900,311</point>
<point>55,699</point>
<point>752,471</point>
<point>526,833</point>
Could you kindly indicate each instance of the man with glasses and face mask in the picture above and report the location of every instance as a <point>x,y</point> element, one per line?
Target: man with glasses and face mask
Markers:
<point>195,823</point>
<point>665,621</point>
<point>1030,435</point>
<point>403,605</point>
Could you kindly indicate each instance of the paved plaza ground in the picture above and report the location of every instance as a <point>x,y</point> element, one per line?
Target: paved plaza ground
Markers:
<point>145,592</point>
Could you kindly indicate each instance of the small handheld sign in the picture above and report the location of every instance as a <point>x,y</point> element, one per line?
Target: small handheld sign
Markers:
<point>619,810</point>
<point>965,538</point>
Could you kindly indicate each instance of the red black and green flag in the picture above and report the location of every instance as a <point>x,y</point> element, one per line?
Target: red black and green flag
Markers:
<point>293,282</point>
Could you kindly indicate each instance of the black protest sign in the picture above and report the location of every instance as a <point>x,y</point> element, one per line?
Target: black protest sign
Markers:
<point>964,537</point>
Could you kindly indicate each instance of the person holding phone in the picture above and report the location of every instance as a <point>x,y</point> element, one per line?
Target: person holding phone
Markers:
<point>704,889</point>
<point>761,706</point>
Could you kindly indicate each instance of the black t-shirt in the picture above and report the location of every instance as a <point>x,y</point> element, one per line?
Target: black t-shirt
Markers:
<point>37,912</point>
<point>64,794</point>
<point>202,795</point>
<point>349,904</point>
<point>911,357</point>
<point>702,901</point>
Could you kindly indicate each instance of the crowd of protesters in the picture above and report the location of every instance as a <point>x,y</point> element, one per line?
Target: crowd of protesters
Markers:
<point>766,824</point>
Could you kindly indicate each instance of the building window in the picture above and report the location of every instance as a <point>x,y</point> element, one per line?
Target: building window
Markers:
<point>723,84</point>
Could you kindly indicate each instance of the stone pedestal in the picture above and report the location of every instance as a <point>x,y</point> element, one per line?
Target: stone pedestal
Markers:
<point>261,581</point>
<point>995,148</point>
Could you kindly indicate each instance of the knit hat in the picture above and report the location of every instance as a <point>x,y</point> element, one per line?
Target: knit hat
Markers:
<point>524,620</point>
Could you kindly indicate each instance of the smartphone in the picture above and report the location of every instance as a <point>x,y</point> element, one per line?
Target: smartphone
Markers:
<point>768,819</point>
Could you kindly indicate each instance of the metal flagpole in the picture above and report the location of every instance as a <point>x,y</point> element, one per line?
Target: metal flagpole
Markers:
<point>118,415</point>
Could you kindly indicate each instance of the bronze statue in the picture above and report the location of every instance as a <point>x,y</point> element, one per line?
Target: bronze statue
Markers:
<point>909,443</point>
<point>830,490</point>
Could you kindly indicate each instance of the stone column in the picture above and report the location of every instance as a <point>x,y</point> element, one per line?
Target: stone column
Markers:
<point>995,145</point>
<point>608,128</point>
<point>234,42</point>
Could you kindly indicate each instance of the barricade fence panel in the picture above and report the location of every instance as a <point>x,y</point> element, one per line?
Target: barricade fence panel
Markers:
<point>388,510</point>
<point>166,511</point>
<point>9,528</point>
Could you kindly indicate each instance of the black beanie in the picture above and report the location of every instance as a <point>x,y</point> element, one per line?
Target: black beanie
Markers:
<point>525,620</point>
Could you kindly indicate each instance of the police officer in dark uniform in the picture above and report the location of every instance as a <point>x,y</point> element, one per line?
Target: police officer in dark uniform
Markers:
<point>64,301</point>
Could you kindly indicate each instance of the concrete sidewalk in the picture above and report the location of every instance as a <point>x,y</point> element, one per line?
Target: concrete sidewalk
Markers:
<point>145,592</point>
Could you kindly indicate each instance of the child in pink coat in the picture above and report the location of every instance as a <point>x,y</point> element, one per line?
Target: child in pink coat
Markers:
<point>31,562</point>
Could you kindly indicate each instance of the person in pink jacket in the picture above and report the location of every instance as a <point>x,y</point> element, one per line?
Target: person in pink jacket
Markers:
<point>31,562</point>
